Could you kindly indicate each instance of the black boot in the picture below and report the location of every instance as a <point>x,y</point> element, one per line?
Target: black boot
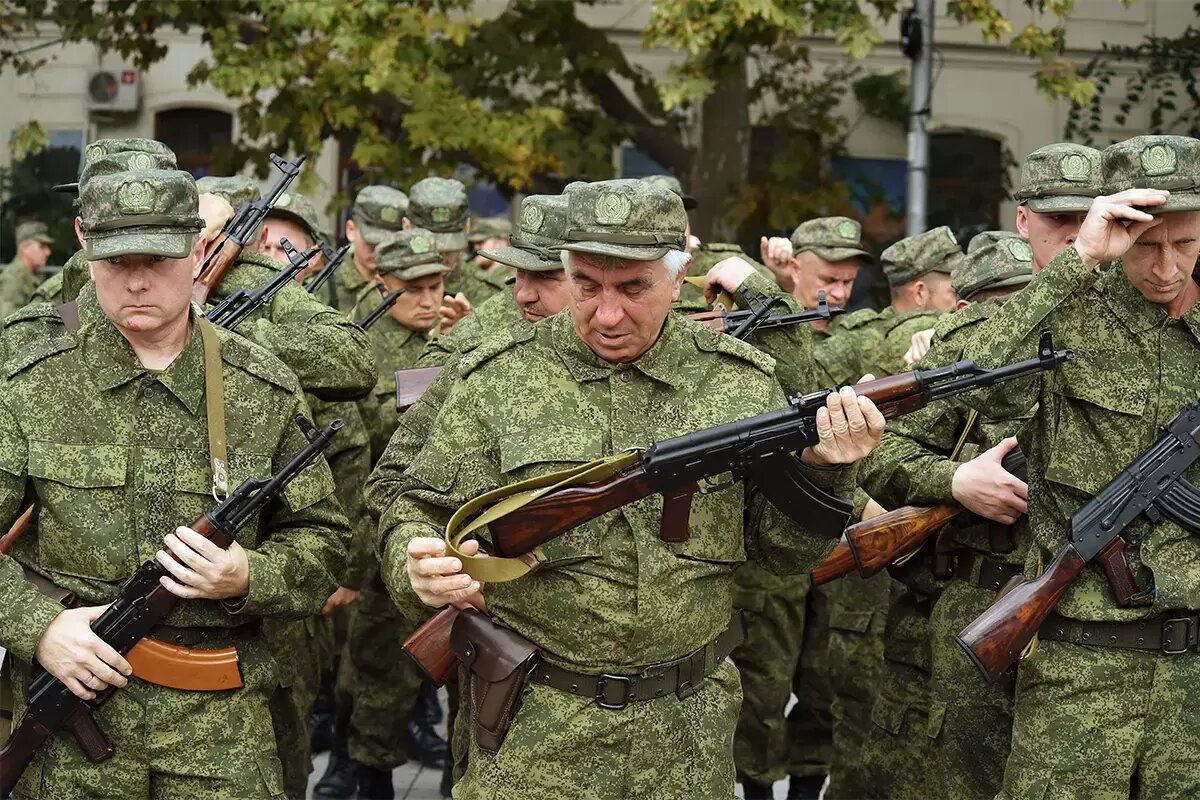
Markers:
<point>753,790</point>
<point>339,781</point>
<point>426,746</point>
<point>320,719</point>
<point>807,788</point>
<point>447,784</point>
<point>374,784</point>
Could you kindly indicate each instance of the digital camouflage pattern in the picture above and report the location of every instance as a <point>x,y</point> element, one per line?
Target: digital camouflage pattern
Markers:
<point>1135,369</point>
<point>300,210</point>
<point>704,258</point>
<point>840,351</point>
<point>474,283</point>
<point>408,255</point>
<point>994,260</point>
<point>1060,177</point>
<point>378,211</point>
<point>627,218</point>
<point>17,286</point>
<point>887,357</point>
<point>605,561</point>
<point>1155,162</point>
<point>35,231</point>
<point>148,212</point>
<point>910,258</point>
<point>440,205</point>
<point>672,184</point>
<point>484,228</point>
<point>831,238</point>
<point>543,229</point>
<point>237,190</point>
<point>499,313</point>
<point>130,427</point>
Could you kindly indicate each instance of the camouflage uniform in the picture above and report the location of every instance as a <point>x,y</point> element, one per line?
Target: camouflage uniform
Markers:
<point>17,281</point>
<point>440,205</point>
<point>158,420</point>
<point>663,747</point>
<point>1092,720</point>
<point>377,212</point>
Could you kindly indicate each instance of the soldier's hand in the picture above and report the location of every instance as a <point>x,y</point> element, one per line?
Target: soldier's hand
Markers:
<point>775,252</point>
<point>200,569</point>
<point>1115,222</point>
<point>453,309</point>
<point>728,275</point>
<point>341,597</point>
<point>919,347</point>
<point>984,486</point>
<point>849,427</point>
<point>438,579</point>
<point>72,652</point>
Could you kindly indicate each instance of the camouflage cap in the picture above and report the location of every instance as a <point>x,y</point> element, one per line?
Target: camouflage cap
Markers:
<point>910,258</point>
<point>379,211</point>
<point>1060,177</point>
<point>163,157</point>
<point>535,246</point>
<point>148,212</point>
<point>627,218</point>
<point>300,210</point>
<point>831,238</point>
<point>671,183</point>
<point>408,255</point>
<point>237,190</point>
<point>994,260</point>
<point>125,161</point>
<point>1156,162</point>
<point>36,231</point>
<point>440,205</point>
<point>484,228</point>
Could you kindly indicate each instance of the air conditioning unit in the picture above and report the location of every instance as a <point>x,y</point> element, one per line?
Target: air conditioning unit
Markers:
<point>114,90</point>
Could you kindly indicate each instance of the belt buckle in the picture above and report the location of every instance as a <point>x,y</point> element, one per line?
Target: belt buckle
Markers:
<point>1168,647</point>
<point>602,683</point>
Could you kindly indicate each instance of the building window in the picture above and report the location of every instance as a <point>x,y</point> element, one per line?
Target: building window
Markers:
<point>197,135</point>
<point>968,180</point>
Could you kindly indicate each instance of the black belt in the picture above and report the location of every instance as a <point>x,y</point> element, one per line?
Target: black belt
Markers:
<point>991,574</point>
<point>1172,634</point>
<point>681,677</point>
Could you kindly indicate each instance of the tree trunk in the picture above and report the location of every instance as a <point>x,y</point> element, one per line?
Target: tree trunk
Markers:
<point>721,159</point>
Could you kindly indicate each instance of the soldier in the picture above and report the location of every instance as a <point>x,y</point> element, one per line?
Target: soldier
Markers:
<point>1096,719</point>
<point>134,374</point>
<point>440,205</point>
<point>293,217</point>
<point>377,211</point>
<point>488,233</point>
<point>604,377</point>
<point>17,280</point>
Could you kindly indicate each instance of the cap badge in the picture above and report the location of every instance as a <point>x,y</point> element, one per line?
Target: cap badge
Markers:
<point>389,214</point>
<point>93,152</point>
<point>141,161</point>
<point>613,209</point>
<point>440,214</point>
<point>1075,167</point>
<point>136,197</point>
<point>532,218</point>
<point>418,245</point>
<point>284,200</point>
<point>1020,250</point>
<point>1159,159</point>
<point>847,230</point>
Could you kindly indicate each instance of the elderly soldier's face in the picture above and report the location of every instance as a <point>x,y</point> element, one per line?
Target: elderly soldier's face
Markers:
<point>812,274</point>
<point>541,294</point>
<point>1160,263</point>
<point>144,295</point>
<point>618,307</point>
<point>1048,233</point>
<point>417,308</point>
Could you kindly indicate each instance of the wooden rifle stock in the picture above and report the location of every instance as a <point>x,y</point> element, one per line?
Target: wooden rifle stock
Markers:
<point>18,528</point>
<point>429,646</point>
<point>215,268</point>
<point>873,544</point>
<point>995,640</point>
<point>838,564</point>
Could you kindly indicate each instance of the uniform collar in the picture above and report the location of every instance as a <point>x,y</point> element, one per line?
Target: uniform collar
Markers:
<point>1136,312</point>
<point>662,362</point>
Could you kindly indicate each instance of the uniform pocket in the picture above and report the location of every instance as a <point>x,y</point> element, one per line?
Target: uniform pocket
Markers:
<point>889,715</point>
<point>271,770</point>
<point>844,619</point>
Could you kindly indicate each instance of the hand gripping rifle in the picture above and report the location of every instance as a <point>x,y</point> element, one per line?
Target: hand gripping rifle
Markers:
<point>231,311</point>
<point>757,449</point>
<point>240,227</point>
<point>333,259</point>
<point>758,316</point>
<point>1152,486</point>
<point>142,604</point>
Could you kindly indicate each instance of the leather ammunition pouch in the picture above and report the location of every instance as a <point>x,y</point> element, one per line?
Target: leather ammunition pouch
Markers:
<point>1169,634</point>
<point>500,662</point>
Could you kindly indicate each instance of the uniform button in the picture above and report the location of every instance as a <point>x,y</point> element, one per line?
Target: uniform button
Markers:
<point>627,376</point>
<point>148,389</point>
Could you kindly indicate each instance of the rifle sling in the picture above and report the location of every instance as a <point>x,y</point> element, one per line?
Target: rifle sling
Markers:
<point>505,500</point>
<point>214,403</point>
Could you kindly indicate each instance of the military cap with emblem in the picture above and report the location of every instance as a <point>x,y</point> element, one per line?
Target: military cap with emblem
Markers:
<point>484,228</point>
<point>994,260</point>
<point>299,209</point>
<point>440,205</point>
<point>1060,177</point>
<point>164,157</point>
<point>147,212</point>
<point>831,238</point>
<point>671,183</point>
<point>626,218</point>
<point>125,161</point>
<point>1156,162</point>
<point>535,244</point>
<point>35,231</point>
<point>910,258</point>
<point>237,190</point>
<point>409,255</point>
<point>378,211</point>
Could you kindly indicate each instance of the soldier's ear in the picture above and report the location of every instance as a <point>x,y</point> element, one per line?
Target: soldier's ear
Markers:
<point>1023,221</point>
<point>79,230</point>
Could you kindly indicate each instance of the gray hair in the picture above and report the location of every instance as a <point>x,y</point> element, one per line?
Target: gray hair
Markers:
<point>675,261</point>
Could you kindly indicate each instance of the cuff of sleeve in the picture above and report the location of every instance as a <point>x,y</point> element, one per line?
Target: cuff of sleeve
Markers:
<point>394,566</point>
<point>36,615</point>
<point>938,479</point>
<point>268,589</point>
<point>759,285</point>
<point>834,478</point>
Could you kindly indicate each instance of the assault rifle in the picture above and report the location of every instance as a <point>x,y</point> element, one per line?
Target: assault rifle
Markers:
<point>240,227</point>
<point>143,604</point>
<point>758,316</point>
<point>231,311</point>
<point>1151,487</point>
<point>333,259</point>
<point>874,544</point>
<point>389,300</point>
<point>757,449</point>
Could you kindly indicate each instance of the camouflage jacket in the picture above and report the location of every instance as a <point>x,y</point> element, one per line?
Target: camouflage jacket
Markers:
<point>349,457</point>
<point>395,347</point>
<point>840,351</point>
<point>129,462</point>
<point>887,357</point>
<point>17,285</point>
<point>344,287</point>
<point>477,285</point>
<point>704,258</point>
<point>1136,368</point>
<point>547,401</point>
<point>497,313</point>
